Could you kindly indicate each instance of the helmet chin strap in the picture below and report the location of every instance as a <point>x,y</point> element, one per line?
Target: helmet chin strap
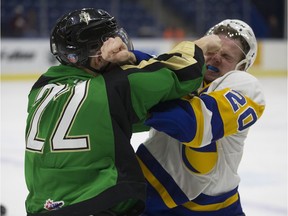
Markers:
<point>93,69</point>
<point>96,71</point>
<point>240,64</point>
<point>87,66</point>
<point>244,61</point>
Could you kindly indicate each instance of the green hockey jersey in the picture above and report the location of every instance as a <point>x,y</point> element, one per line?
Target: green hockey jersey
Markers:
<point>78,158</point>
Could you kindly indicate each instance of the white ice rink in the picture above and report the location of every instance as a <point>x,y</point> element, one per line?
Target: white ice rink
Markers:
<point>263,188</point>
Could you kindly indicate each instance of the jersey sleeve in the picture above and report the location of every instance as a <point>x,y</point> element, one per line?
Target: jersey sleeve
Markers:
<point>166,77</point>
<point>206,118</point>
<point>140,56</point>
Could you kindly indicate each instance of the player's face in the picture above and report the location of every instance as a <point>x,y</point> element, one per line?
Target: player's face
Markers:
<point>224,60</point>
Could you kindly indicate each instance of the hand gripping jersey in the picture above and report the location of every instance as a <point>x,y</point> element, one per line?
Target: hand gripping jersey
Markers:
<point>198,173</point>
<point>78,159</point>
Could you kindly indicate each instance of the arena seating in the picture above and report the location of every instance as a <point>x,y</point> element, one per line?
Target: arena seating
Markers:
<point>197,15</point>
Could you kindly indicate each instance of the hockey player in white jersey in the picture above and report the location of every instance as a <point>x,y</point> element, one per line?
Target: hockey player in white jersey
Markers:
<point>192,171</point>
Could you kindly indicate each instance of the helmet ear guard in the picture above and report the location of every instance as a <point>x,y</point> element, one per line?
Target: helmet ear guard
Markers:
<point>81,33</point>
<point>244,33</point>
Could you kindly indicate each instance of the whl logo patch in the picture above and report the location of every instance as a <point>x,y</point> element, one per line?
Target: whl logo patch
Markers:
<point>51,205</point>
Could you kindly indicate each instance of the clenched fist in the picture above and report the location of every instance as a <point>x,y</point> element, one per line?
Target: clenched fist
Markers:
<point>209,43</point>
<point>114,50</point>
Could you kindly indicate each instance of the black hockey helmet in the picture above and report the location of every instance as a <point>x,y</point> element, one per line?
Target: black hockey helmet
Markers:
<point>81,33</point>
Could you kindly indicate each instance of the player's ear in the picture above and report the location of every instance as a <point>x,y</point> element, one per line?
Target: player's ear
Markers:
<point>96,62</point>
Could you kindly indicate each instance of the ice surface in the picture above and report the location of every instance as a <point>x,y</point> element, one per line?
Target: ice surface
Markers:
<point>263,171</point>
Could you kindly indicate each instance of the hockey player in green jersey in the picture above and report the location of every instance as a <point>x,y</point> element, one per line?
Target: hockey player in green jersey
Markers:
<point>81,114</point>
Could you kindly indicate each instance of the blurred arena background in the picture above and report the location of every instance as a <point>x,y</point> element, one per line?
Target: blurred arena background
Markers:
<point>154,26</point>
<point>147,18</point>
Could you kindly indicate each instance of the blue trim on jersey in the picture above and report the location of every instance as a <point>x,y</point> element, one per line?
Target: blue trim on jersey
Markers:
<point>156,206</point>
<point>186,162</point>
<point>216,121</point>
<point>175,118</point>
<point>190,121</point>
<point>140,56</point>
<point>161,175</point>
<point>203,90</point>
<point>247,113</point>
<point>233,210</point>
<point>208,148</point>
<point>204,199</point>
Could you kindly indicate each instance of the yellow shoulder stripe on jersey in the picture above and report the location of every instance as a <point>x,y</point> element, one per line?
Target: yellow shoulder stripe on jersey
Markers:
<point>232,105</point>
<point>225,111</point>
<point>211,207</point>
<point>167,199</point>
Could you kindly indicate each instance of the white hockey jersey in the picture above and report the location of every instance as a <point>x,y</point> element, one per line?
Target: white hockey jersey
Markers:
<point>212,128</point>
